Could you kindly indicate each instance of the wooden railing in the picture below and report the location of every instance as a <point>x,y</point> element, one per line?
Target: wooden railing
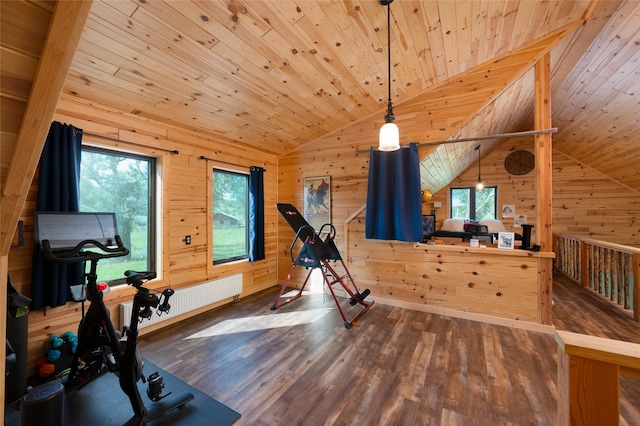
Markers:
<point>588,381</point>
<point>613,270</point>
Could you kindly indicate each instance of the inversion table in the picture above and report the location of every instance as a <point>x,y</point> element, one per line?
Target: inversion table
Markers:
<point>318,253</point>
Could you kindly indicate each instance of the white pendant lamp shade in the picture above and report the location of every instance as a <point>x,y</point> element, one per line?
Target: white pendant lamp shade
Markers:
<point>389,137</point>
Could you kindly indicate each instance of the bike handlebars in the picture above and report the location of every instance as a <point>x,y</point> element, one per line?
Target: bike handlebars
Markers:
<point>76,254</point>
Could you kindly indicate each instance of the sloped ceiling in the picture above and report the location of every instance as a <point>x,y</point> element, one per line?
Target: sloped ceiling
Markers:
<point>278,74</point>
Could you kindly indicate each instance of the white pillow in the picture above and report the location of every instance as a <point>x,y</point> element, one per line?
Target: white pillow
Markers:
<point>453,225</point>
<point>493,225</point>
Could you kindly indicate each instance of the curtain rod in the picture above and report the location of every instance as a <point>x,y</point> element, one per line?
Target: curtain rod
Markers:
<point>202,157</point>
<point>480,138</point>
<point>173,151</point>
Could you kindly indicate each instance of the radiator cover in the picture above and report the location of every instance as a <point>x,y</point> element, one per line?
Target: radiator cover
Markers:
<point>188,299</point>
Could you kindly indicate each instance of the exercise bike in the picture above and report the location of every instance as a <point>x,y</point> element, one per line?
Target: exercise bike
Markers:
<point>100,346</point>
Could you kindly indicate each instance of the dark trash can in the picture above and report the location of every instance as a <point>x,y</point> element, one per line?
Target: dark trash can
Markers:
<point>44,405</point>
<point>17,334</point>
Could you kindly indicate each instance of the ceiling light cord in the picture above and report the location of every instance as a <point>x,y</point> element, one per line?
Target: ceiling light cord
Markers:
<point>389,134</point>
<point>480,184</point>
<point>389,117</point>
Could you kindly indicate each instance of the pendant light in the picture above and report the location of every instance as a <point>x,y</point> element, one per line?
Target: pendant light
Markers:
<point>479,185</point>
<point>389,133</point>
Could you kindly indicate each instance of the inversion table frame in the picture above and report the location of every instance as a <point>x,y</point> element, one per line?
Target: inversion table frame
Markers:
<point>317,253</point>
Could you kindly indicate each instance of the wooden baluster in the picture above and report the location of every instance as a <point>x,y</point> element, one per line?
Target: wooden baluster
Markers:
<point>605,272</point>
<point>565,257</point>
<point>594,267</point>
<point>610,263</point>
<point>561,243</point>
<point>604,269</point>
<point>620,278</point>
<point>569,271</point>
<point>591,264</point>
<point>570,257</point>
<point>636,287</point>
<point>622,258</point>
<point>578,269</point>
<point>565,261</point>
<point>613,276</point>
<point>626,265</point>
<point>592,250</point>
<point>598,283</point>
<point>584,264</point>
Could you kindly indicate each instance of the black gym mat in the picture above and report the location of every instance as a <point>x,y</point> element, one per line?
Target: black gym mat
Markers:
<point>102,402</point>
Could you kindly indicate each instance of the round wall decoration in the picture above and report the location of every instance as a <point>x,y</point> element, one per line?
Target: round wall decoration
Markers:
<point>520,162</point>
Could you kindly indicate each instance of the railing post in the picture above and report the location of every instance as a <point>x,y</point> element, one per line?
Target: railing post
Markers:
<point>584,264</point>
<point>563,387</point>
<point>594,392</point>
<point>545,291</point>
<point>588,380</point>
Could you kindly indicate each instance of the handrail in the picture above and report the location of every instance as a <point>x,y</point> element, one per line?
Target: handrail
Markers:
<point>613,270</point>
<point>613,246</point>
<point>588,380</point>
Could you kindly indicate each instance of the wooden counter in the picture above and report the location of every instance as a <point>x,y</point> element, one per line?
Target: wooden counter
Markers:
<point>488,284</point>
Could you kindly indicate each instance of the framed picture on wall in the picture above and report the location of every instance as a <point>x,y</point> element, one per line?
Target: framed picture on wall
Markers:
<point>519,220</point>
<point>508,210</point>
<point>317,201</point>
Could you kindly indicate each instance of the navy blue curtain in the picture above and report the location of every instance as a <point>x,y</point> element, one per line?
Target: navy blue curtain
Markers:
<point>58,191</point>
<point>256,214</point>
<point>394,203</point>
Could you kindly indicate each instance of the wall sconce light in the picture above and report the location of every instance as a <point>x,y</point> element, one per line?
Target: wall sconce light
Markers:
<point>480,184</point>
<point>389,134</point>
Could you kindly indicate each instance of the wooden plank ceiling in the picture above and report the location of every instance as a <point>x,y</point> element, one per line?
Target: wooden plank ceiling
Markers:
<point>275,75</point>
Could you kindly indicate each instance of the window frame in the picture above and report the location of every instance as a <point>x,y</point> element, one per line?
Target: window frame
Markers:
<point>472,201</point>
<point>238,258</point>
<point>153,205</point>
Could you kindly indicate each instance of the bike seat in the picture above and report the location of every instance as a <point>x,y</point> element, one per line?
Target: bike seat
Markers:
<point>136,277</point>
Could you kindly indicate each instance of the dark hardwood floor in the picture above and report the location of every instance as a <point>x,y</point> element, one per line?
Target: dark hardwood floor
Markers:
<point>298,365</point>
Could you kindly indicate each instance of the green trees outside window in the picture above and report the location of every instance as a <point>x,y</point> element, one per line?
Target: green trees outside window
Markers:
<point>122,183</point>
<point>467,203</point>
<point>230,216</point>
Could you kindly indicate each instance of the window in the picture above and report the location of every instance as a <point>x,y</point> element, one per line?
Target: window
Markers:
<point>467,203</point>
<point>230,216</point>
<point>122,183</point>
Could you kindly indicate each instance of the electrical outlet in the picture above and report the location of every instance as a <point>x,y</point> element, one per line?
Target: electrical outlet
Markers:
<point>187,239</point>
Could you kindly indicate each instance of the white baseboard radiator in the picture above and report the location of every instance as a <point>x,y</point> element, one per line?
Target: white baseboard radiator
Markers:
<point>188,299</point>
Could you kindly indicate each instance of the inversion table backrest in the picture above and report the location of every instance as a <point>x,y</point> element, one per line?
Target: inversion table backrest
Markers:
<point>296,221</point>
<point>304,232</point>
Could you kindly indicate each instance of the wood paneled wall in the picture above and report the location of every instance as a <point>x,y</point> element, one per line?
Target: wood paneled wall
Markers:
<point>185,200</point>
<point>589,203</point>
<point>396,270</point>
<point>585,201</point>
<point>512,190</point>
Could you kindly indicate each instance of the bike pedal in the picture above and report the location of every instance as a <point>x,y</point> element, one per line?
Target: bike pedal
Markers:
<point>156,384</point>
